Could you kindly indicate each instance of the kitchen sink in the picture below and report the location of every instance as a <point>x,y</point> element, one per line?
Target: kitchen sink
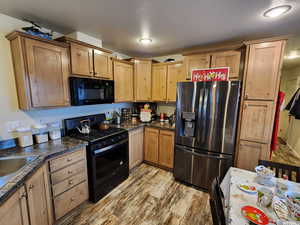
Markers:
<point>10,165</point>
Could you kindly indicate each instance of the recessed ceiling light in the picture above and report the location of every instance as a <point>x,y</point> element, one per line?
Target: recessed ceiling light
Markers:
<point>145,41</point>
<point>277,11</point>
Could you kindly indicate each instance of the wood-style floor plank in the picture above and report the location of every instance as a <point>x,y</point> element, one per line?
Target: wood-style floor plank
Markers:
<point>150,196</point>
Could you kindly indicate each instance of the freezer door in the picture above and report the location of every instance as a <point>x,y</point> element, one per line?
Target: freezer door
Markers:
<point>198,168</point>
<point>217,116</point>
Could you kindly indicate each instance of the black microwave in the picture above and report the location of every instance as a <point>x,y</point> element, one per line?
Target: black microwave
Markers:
<point>88,91</point>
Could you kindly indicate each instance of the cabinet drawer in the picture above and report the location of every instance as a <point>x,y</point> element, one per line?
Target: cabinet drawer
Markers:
<point>66,160</point>
<point>67,172</point>
<point>68,183</point>
<point>70,199</point>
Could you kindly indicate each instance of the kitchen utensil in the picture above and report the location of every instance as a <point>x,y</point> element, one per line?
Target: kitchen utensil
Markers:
<point>55,134</point>
<point>41,138</point>
<point>293,203</point>
<point>264,197</point>
<point>254,215</point>
<point>104,125</point>
<point>247,188</point>
<point>85,127</point>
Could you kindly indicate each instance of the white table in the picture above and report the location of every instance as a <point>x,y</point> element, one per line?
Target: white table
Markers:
<point>235,198</point>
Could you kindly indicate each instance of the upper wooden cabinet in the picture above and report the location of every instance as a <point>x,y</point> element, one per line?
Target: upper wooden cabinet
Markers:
<point>195,62</point>
<point>39,198</point>
<point>263,70</point>
<point>123,76</point>
<point>142,79</point>
<point>103,64</point>
<point>89,60</point>
<point>41,70</point>
<point>159,82</point>
<point>14,210</point>
<point>257,121</point>
<point>174,75</point>
<point>81,60</point>
<point>229,59</point>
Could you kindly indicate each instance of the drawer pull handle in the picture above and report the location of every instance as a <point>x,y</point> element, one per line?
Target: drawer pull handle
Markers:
<point>31,186</point>
<point>70,171</point>
<point>69,159</point>
<point>70,182</point>
<point>23,195</point>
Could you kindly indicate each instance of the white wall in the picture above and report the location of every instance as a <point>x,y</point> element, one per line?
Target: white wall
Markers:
<point>290,127</point>
<point>8,96</point>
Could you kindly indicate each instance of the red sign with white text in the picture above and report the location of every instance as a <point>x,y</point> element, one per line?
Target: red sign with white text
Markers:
<point>213,74</point>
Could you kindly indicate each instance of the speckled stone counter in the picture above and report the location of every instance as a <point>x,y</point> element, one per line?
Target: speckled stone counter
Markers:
<point>156,124</point>
<point>42,152</point>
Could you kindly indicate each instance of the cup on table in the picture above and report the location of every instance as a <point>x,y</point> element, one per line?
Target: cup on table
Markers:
<point>264,197</point>
<point>282,186</point>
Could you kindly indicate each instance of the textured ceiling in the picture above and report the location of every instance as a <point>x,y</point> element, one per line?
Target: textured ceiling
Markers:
<point>173,24</point>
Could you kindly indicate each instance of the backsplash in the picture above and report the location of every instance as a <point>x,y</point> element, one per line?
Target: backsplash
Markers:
<point>167,108</point>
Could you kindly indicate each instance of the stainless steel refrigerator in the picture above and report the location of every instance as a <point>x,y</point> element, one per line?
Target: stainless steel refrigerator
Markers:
<point>206,124</point>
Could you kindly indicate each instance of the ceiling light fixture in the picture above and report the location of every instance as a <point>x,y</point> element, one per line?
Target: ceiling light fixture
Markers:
<point>277,11</point>
<point>145,41</point>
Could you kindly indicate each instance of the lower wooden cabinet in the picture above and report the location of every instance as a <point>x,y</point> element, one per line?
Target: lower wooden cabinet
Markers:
<point>159,147</point>
<point>14,211</point>
<point>250,152</point>
<point>39,198</point>
<point>136,144</point>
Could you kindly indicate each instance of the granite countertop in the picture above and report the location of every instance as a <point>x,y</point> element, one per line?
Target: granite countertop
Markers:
<point>156,124</point>
<point>42,152</point>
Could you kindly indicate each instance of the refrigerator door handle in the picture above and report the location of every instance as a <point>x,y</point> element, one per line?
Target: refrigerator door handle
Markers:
<point>211,156</point>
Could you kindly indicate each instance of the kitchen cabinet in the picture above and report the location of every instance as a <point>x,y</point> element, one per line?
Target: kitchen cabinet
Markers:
<point>102,64</point>
<point>136,144</point>
<point>69,185</point>
<point>41,70</point>
<point>89,60</point>
<point>174,75</point>
<point>166,148</point>
<point>81,60</point>
<point>123,76</point>
<point>250,153</point>
<point>263,70</point>
<point>151,144</point>
<point>39,198</point>
<point>159,147</point>
<point>257,121</point>
<point>14,211</point>
<point>199,61</point>
<point>159,82</point>
<point>142,79</point>
<point>229,59</point>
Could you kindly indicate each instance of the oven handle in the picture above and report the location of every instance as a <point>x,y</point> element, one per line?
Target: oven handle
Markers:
<point>110,147</point>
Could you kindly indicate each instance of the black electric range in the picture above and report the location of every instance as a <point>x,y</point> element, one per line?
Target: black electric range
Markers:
<point>107,154</point>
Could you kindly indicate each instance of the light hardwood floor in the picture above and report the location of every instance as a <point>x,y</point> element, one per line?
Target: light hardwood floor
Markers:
<point>150,196</point>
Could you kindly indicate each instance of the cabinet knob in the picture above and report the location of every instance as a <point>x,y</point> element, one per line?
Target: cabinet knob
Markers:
<point>91,72</point>
<point>246,106</point>
<point>246,96</point>
<point>78,54</point>
<point>69,159</point>
<point>31,186</point>
<point>72,199</point>
<point>70,171</point>
<point>70,182</point>
<point>23,195</point>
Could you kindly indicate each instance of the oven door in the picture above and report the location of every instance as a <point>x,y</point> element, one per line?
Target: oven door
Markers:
<point>108,168</point>
<point>87,91</point>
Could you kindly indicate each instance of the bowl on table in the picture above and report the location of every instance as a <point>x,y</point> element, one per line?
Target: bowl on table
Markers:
<point>264,175</point>
<point>293,203</point>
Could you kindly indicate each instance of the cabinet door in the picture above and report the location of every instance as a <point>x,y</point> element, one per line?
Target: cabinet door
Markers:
<point>48,69</point>
<point>14,210</point>
<point>166,148</point>
<point>250,152</point>
<point>123,76</point>
<point>102,64</point>
<point>39,200</point>
<point>201,61</point>
<point>151,143</point>
<point>262,77</point>
<point>174,75</point>
<point>142,79</point>
<point>159,83</point>
<point>136,141</point>
<point>229,59</point>
<point>257,121</point>
<point>81,60</point>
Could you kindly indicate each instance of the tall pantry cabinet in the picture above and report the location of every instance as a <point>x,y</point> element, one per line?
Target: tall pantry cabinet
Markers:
<point>259,95</point>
